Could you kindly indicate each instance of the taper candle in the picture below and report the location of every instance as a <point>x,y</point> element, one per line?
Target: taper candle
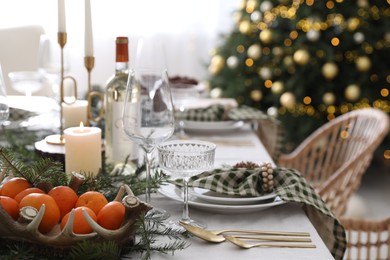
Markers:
<point>83,150</point>
<point>73,114</point>
<point>88,30</point>
<point>61,16</point>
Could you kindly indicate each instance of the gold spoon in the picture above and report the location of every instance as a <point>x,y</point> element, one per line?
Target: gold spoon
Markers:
<point>242,244</point>
<point>217,238</point>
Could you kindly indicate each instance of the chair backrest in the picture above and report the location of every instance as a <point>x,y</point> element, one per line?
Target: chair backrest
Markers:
<point>335,156</point>
<point>367,239</point>
<point>19,51</point>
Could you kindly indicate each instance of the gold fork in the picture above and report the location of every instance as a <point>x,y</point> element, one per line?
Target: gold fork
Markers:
<point>242,244</point>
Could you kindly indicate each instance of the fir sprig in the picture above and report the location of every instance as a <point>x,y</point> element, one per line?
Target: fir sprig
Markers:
<point>43,170</point>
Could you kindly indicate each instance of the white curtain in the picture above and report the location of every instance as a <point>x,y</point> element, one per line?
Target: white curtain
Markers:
<point>189,30</point>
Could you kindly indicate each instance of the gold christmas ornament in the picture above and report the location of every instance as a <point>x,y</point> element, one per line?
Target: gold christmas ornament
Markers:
<point>251,5</point>
<point>266,6</point>
<point>353,24</point>
<point>272,111</point>
<point>363,64</point>
<point>254,51</point>
<point>313,35</point>
<point>217,64</point>
<point>288,100</point>
<point>328,98</point>
<point>277,87</point>
<point>266,36</point>
<point>288,60</point>
<point>330,70</point>
<point>244,27</point>
<point>216,93</point>
<point>352,92</point>
<point>236,17</point>
<point>301,57</point>
<point>265,73</point>
<point>256,95</point>
<point>232,62</point>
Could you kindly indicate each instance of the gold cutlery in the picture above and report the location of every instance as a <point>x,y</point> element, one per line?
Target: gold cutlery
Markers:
<point>216,237</point>
<point>242,244</point>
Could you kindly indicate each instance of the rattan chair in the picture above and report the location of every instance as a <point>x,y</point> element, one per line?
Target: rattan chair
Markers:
<point>271,133</point>
<point>367,239</point>
<point>335,156</point>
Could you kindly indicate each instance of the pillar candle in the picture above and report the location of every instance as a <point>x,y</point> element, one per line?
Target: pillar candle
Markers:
<point>61,16</point>
<point>88,30</point>
<point>83,150</point>
<point>73,114</point>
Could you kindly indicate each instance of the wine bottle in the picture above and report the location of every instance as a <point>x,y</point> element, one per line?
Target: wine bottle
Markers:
<point>118,146</point>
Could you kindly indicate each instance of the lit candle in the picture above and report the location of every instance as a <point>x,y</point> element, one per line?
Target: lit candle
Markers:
<point>88,30</point>
<point>83,150</point>
<point>74,113</point>
<point>61,16</point>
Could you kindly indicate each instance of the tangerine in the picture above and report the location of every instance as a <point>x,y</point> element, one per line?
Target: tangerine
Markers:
<point>111,215</point>
<point>27,191</point>
<point>93,200</point>
<point>80,224</point>
<point>11,206</point>
<point>52,212</point>
<point>65,198</point>
<point>13,186</point>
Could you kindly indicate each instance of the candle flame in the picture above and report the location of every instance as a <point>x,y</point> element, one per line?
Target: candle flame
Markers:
<point>81,126</point>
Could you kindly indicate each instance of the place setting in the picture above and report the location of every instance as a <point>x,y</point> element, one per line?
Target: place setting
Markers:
<point>206,197</point>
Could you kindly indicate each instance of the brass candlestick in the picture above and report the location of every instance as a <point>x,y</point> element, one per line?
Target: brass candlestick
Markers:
<point>89,62</point>
<point>59,139</point>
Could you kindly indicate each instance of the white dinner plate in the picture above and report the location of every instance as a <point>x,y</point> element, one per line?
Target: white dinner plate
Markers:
<point>212,126</point>
<point>218,198</point>
<point>172,192</point>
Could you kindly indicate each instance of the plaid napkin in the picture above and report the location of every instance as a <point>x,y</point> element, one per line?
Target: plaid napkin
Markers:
<point>269,129</point>
<point>290,186</point>
<point>221,113</point>
<point>16,114</point>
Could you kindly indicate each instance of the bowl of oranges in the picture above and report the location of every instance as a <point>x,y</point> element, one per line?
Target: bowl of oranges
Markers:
<point>61,217</point>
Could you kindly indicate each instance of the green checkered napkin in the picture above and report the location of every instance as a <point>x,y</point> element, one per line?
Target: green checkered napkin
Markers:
<point>221,113</point>
<point>16,114</point>
<point>290,186</point>
<point>269,129</point>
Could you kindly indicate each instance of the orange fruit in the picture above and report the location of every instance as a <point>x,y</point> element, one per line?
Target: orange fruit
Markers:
<point>80,224</point>
<point>65,198</point>
<point>111,215</point>
<point>13,186</point>
<point>27,191</point>
<point>93,200</point>
<point>11,206</point>
<point>52,212</point>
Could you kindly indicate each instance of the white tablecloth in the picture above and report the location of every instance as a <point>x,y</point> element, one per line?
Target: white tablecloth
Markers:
<point>233,147</point>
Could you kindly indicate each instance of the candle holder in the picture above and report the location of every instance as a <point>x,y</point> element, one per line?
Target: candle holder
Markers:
<point>89,63</point>
<point>59,138</point>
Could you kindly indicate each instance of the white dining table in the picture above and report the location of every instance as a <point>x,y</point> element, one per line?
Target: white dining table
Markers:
<point>232,147</point>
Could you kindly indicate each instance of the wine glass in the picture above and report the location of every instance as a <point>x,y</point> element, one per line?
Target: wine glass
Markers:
<point>148,117</point>
<point>186,158</point>
<point>4,109</point>
<point>183,95</point>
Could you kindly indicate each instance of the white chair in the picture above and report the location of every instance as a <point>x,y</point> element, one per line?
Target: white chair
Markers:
<point>20,50</point>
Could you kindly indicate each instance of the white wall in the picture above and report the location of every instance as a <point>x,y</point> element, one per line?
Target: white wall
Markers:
<point>188,28</point>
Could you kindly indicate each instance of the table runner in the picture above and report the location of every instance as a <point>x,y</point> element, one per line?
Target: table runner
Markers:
<point>290,186</point>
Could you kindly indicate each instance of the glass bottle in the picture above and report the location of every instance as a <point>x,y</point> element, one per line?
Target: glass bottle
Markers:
<point>118,147</point>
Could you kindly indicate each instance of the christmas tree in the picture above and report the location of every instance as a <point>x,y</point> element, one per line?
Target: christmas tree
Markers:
<point>306,61</point>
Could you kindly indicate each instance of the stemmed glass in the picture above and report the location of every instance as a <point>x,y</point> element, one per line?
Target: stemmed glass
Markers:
<point>186,158</point>
<point>148,117</point>
<point>4,109</point>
